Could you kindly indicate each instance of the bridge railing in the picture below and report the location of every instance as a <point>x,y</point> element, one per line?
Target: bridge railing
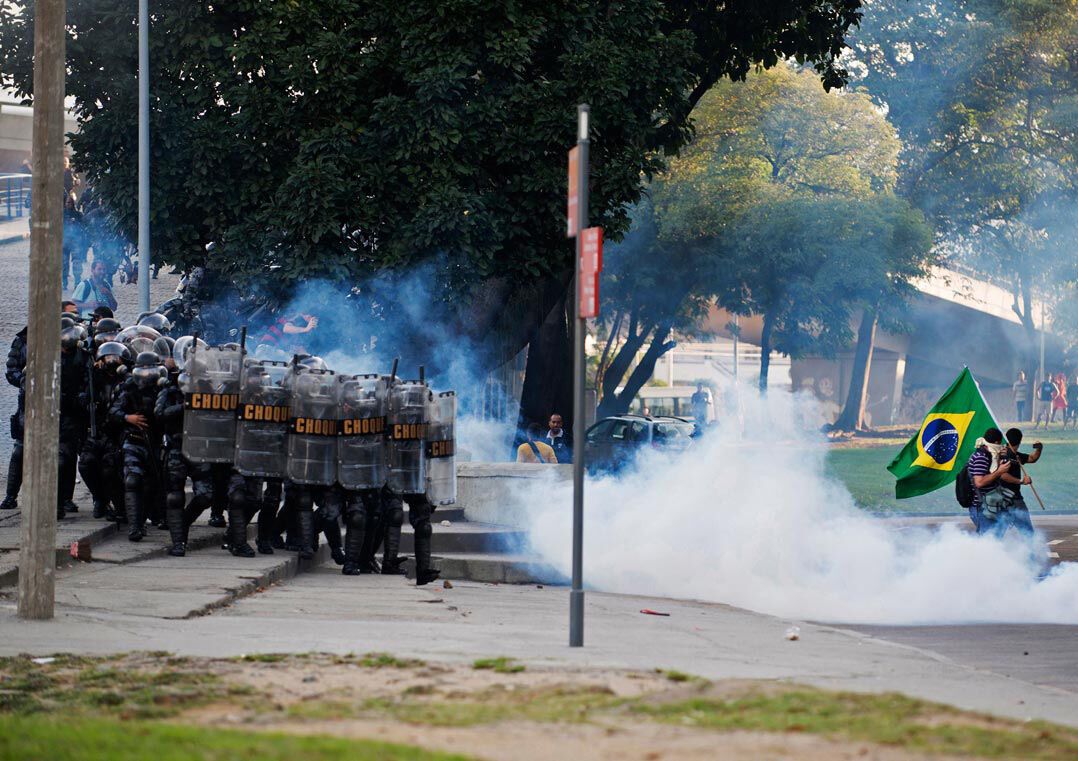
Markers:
<point>14,195</point>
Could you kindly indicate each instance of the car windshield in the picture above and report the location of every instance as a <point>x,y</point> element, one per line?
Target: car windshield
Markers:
<point>673,432</point>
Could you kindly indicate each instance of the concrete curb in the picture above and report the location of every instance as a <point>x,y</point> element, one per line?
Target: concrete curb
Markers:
<point>290,566</point>
<point>10,577</point>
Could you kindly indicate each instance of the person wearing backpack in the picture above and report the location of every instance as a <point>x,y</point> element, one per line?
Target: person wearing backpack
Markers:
<point>534,449</point>
<point>988,470</point>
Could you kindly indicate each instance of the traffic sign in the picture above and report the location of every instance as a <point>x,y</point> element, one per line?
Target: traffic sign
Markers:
<point>573,212</point>
<point>591,250</point>
<point>589,295</point>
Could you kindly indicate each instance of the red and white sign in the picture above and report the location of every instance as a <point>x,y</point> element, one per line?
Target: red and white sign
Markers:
<point>591,265</point>
<point>573,212</point>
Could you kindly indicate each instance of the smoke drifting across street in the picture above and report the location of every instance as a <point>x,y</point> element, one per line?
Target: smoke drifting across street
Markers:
<point>754,520</point>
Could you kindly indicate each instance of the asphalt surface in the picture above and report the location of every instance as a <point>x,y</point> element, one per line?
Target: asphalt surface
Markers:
<point>14,289</point>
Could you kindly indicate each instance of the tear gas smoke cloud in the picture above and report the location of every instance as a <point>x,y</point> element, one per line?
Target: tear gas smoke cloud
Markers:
<point>755,521</point>
<point>361,330</point>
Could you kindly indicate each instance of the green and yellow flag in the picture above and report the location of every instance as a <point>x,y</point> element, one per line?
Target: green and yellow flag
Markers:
<point>933,458</point>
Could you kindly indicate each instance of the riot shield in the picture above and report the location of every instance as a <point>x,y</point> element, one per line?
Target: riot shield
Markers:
<point>408,410</point>
<point>211,384</point>
<point>361,445</point>
<point>312,431</point>
<point>441,450</point>
<point>262,420</point>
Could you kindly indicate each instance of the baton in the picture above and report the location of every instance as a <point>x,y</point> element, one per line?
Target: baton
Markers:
<point>93,399</point>
<point>393,372</point>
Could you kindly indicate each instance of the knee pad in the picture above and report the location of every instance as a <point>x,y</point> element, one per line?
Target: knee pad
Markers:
<point>174,500</point>
<point>356,519</point>
<point>132,481</point>
<point>395,516</point>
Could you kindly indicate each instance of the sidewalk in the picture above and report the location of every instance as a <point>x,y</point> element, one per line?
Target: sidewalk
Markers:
<point>12,230</point>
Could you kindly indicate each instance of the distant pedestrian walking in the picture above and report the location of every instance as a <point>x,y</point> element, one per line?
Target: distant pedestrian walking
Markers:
<point>558,439</point>
<point>1059,402</point>
<point>1046,394</point>
<point>1020,391</point>
<point>700,401</point>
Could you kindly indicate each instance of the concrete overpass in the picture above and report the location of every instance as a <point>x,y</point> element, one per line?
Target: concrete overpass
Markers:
<point>955,320</point>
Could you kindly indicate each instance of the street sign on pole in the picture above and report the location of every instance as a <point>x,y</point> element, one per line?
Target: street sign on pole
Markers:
<point>591,265</point>
<point>578,218</point>
<point>572,214</point>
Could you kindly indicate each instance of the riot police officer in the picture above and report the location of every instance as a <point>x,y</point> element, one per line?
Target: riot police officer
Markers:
<point>74,370</point>
<point>16,376</point>
<point>100,459</point>
<point>312,441</point>
<point>133,411</point>
<point>168,410</point>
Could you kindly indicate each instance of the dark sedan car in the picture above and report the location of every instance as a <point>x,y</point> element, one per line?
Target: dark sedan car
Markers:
<point>614,441</point>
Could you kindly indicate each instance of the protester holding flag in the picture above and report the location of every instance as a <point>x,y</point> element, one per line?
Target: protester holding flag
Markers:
<point>948,437</point>
<point>993,485</point>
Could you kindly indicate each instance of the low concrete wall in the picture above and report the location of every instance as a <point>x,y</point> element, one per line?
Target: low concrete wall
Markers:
<point>490,492</point>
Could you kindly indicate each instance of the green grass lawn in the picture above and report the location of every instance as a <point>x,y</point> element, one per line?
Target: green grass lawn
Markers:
<point>862,469</point>
<point>60,738</point>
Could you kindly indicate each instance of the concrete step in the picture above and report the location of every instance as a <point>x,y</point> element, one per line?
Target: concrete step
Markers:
<point>468,537</point>
<point>496,568</point>
<point>77,527</point>
<point>449,513</point>
<point>161,586</point>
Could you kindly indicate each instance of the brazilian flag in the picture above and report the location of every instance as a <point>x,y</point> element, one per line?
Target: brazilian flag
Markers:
<point>933,458</point>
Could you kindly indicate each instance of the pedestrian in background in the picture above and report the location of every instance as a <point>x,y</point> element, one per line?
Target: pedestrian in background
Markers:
<point>1020,392</point>
<point>558,439</point>
<point>1046,394</point>
<point>94,291</point>
<point>534,450</point>
<point>1059,401</point>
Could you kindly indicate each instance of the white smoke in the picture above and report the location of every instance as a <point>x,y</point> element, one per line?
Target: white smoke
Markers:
<point>752,519</point>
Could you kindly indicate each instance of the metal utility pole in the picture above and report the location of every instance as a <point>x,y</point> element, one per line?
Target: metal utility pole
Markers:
<point>37,545</point>
<point>576,594</point>
<point>144,155</point>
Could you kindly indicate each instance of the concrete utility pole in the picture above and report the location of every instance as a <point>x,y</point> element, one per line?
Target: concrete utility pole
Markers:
<point>37,548</point>
<point>144,155</point>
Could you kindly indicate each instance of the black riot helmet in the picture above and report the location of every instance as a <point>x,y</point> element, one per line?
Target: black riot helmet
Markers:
<point>113,355</point>
<point>148,369</point>
<point>107,325</point>
<point>157,321</point>
<point>310,362</point>
<point>66,321</point>
<point>72,337</point>
<point>107,329</point>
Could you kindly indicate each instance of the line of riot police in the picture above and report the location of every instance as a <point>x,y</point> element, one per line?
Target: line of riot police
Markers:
<point>144,414</point>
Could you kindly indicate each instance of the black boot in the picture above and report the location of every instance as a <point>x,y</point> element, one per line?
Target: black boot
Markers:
<point>237,534</point>
<point>177,529</point>
<point>101,510</point>
<point>217,519</point>
<point>390,557</point>
<point>306,534</point>
<point>70,506</point>
<point>426,576</point>
<point>9,503</point>
<point>350,569</point>
<point>267,527</point>
<point>133,505</point>
<point>353,548</point>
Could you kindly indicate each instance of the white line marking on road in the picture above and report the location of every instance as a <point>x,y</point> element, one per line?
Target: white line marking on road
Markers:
<point>1054,542</point>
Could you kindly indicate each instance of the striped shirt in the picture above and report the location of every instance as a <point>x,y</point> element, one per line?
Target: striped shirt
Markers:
<point>979,465</point>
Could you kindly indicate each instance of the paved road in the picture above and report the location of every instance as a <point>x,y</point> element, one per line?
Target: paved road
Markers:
<point>15,268</point>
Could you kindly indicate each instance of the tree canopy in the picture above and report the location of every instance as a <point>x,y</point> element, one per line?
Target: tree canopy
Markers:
<point>783,207</point>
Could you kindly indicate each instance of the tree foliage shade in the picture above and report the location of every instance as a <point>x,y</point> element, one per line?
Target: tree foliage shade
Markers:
<point>782,207</point>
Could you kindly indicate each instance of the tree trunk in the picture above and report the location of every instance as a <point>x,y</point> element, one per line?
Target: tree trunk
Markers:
<point>1023,308</point>
<point>619,403</point>
<point>765,349</point>
<point>853,413</point>
<point>548,378</point>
